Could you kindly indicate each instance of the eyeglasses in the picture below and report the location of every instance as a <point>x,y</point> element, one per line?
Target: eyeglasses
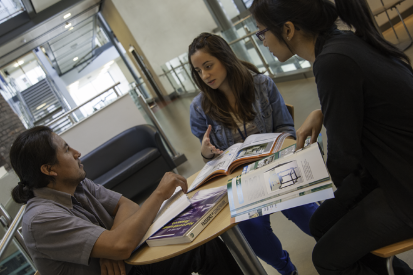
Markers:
<point>261,34</point>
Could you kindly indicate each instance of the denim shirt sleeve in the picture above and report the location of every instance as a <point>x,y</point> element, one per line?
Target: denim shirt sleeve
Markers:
<point>220,136</point>
<point>197,120</point>
<point>282,120</point>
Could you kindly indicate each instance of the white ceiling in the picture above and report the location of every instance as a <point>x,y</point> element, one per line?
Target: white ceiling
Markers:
<point>75,43</point>
<point>40,5</point>
<point>46,31</point>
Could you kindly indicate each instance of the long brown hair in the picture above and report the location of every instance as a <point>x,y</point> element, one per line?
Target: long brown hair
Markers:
<point>239,77</point>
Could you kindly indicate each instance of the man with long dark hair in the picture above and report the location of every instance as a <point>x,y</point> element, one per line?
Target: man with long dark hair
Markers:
<point>74,226</point>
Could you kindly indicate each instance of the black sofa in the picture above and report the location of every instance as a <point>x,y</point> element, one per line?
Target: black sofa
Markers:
<point>129,162</point>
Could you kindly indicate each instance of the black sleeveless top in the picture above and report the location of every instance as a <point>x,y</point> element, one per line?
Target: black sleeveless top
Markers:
<point>367,102</point>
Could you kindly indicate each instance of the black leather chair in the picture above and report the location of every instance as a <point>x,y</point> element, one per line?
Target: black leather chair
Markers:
<point>129,162</point>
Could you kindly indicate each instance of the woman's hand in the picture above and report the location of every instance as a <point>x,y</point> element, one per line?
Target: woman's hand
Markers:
<point>311,127</point>
<point>207,149</point>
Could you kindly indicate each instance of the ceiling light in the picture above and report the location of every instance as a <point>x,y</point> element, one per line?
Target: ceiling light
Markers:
<point>76,58</point>
<point>67,15</point>
<point>71,29</point>
<point>68,25</point>
<point>107,65</point>
<point>18,63</point>
<point>41,106</point>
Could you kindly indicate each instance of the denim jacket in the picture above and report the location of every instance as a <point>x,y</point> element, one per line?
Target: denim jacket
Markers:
<point>272,115</point>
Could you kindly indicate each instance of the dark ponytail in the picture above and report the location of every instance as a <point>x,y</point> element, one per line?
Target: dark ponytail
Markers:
<point>313,17</point>
<point>356,13</point>
<point>317,18</point>
<point>32,149</point>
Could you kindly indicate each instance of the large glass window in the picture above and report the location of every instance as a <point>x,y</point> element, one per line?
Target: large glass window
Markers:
<point>229,7</point>
<point>17,77</point>
<point>248,3</point>
<point>9,9</point>
<point>75,47</point>
<point>23,72</point>
<point>96,82</point>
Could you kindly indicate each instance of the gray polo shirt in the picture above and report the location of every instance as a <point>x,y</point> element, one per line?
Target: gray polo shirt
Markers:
<point>60,230</point>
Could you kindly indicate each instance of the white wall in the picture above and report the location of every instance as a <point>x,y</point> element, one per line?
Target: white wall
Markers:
<point>165,28</point>
<point>7,183</point>
<point>382,18</point>
<point>103,125</point>
<point>108,55</point>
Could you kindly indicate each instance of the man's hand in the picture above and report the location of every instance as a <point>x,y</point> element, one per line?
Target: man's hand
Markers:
<point>207,149</point>
<point>311,127</point>
<point>168,185</point>
<point>111,267</point>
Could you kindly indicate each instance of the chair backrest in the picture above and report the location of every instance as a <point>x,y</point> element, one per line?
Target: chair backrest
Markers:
<point>394,249</point>
<point>116,150</point>
<point>290,110</point>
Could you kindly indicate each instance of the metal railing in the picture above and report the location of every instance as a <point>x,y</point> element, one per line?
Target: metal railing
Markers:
<point>11,231</point>
<point>69,119</point>
<point>261,56</point>
<point>13,234</point>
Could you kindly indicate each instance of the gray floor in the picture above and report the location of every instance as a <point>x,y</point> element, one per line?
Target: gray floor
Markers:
<point>174,118</point>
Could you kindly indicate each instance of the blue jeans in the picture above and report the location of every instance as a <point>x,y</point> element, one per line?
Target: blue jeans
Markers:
<point>266,245</point>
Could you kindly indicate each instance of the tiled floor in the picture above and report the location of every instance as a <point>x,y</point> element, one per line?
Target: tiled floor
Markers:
<point>303,95</point>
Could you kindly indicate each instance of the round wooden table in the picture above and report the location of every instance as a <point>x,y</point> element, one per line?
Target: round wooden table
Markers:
<point>219,226</point>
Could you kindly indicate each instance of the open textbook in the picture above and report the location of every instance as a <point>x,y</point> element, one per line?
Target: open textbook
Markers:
<point>294,179</point>
<point>282,153</point>
<point>170,208</point>
<point>205,206</point>
<point>254,147</point>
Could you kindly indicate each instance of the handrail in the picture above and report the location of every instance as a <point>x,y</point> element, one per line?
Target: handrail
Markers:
<point>233,42</point>
<point>83,104</point>
<point>245,36</point>
<point>11,231</point>
<point>241,20</point>
<point>6,215</point>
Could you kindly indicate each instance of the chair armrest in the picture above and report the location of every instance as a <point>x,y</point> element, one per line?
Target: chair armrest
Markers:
<point>394,249</point>
<point>151,137</point>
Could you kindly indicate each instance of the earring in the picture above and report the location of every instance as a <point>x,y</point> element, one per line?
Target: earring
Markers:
<point>288,38</point>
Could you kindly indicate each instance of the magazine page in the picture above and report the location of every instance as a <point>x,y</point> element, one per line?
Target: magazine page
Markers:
<point>169,209</point>
<point>221,162</point>
<point>302,199</point>
<point>256,145</point>
<point>285,152</point>
<point>312,188</point>
<point>282,176</point>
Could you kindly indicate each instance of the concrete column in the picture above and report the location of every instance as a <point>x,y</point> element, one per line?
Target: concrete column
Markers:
<point>52,74</point>
<point>228,31</point>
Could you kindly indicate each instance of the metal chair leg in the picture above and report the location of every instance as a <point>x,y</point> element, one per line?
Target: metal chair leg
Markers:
<point>389,265</point>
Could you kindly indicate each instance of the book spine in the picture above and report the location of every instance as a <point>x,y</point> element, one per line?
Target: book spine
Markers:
<point>206,219</point>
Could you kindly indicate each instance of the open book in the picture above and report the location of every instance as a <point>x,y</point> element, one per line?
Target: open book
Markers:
<point>205,206</point>
<point>254,148</point>
<point>295,179</point>
<point>170,208</point>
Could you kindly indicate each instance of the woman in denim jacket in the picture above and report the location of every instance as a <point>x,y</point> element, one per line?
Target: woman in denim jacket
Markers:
<point>255,107</point>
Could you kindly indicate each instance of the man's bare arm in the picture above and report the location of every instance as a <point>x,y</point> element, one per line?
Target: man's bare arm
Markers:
<point>124,210</point>
<point>119,242</point>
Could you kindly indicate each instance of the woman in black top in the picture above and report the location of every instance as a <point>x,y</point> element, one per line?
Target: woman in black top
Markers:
<point>365,86</point>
